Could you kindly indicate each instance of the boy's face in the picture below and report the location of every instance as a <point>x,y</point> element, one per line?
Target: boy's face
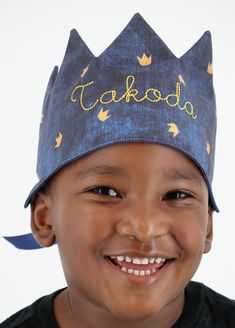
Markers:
<point>132,200</point>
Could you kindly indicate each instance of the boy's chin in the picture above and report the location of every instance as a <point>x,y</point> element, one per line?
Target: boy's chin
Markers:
<point>145,308</point>
<point>135,311</point>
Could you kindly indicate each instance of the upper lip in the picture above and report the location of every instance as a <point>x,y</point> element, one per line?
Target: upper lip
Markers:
<point>142,255</point>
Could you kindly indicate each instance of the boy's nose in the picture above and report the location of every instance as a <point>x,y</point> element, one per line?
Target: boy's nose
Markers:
<point>144,222</point>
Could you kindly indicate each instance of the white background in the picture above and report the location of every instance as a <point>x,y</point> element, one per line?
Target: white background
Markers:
<point>33,37</point>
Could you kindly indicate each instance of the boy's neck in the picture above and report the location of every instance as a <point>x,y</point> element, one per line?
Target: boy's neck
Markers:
<point>82,313</point>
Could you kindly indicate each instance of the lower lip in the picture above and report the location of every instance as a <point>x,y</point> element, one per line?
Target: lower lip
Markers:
<point>141,280</point>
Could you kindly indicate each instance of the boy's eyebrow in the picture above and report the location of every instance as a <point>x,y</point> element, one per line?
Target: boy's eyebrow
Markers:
<point>172,174</point>
<point>101,170</point>
<point>183,175</point>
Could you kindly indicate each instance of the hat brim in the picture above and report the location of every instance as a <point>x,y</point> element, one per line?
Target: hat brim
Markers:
<point>25,242</point>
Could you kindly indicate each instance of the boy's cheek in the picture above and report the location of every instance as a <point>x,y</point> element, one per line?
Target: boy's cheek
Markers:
<point>81,225</point>
<point>192,232</point>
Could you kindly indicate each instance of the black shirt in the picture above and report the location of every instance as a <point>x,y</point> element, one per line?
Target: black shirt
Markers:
<point>203,308</point>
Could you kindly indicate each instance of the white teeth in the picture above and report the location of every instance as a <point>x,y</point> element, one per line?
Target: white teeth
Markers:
<point>158,260</point>
<point>139,261</point>
<point>120,258</point>
<point>138,272</point>
<point>136,261</point>
<point>144,261</point>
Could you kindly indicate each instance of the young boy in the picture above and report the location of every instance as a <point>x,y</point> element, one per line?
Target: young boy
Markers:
<point>125,165</point>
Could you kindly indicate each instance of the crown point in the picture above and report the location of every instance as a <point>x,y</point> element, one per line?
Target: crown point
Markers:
<point>137,15</point>
<point>200,53</point>
<point>145,60</point>
<point>74,36</point>
<point>76,48</point>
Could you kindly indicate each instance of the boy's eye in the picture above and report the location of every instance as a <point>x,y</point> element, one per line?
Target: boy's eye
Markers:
<point>176,195</point>
<point>104,191</point>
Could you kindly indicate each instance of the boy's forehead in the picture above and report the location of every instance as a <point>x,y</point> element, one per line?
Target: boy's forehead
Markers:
<point>121,159</point>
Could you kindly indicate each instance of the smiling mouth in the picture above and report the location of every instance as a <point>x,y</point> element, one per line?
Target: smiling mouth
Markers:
<point>139,266</point>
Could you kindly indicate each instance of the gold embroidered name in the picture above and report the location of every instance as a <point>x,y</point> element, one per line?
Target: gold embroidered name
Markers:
<point>151,94</point>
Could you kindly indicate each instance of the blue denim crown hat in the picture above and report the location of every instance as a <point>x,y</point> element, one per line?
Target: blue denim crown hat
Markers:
<point>137,90</point>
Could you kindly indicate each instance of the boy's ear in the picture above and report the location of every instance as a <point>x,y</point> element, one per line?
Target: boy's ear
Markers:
<point>209,232</point>
<point>41,220</point>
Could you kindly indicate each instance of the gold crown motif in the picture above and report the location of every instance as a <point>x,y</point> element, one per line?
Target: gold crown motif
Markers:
<point>145,60</point>
<point>210,68</point>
